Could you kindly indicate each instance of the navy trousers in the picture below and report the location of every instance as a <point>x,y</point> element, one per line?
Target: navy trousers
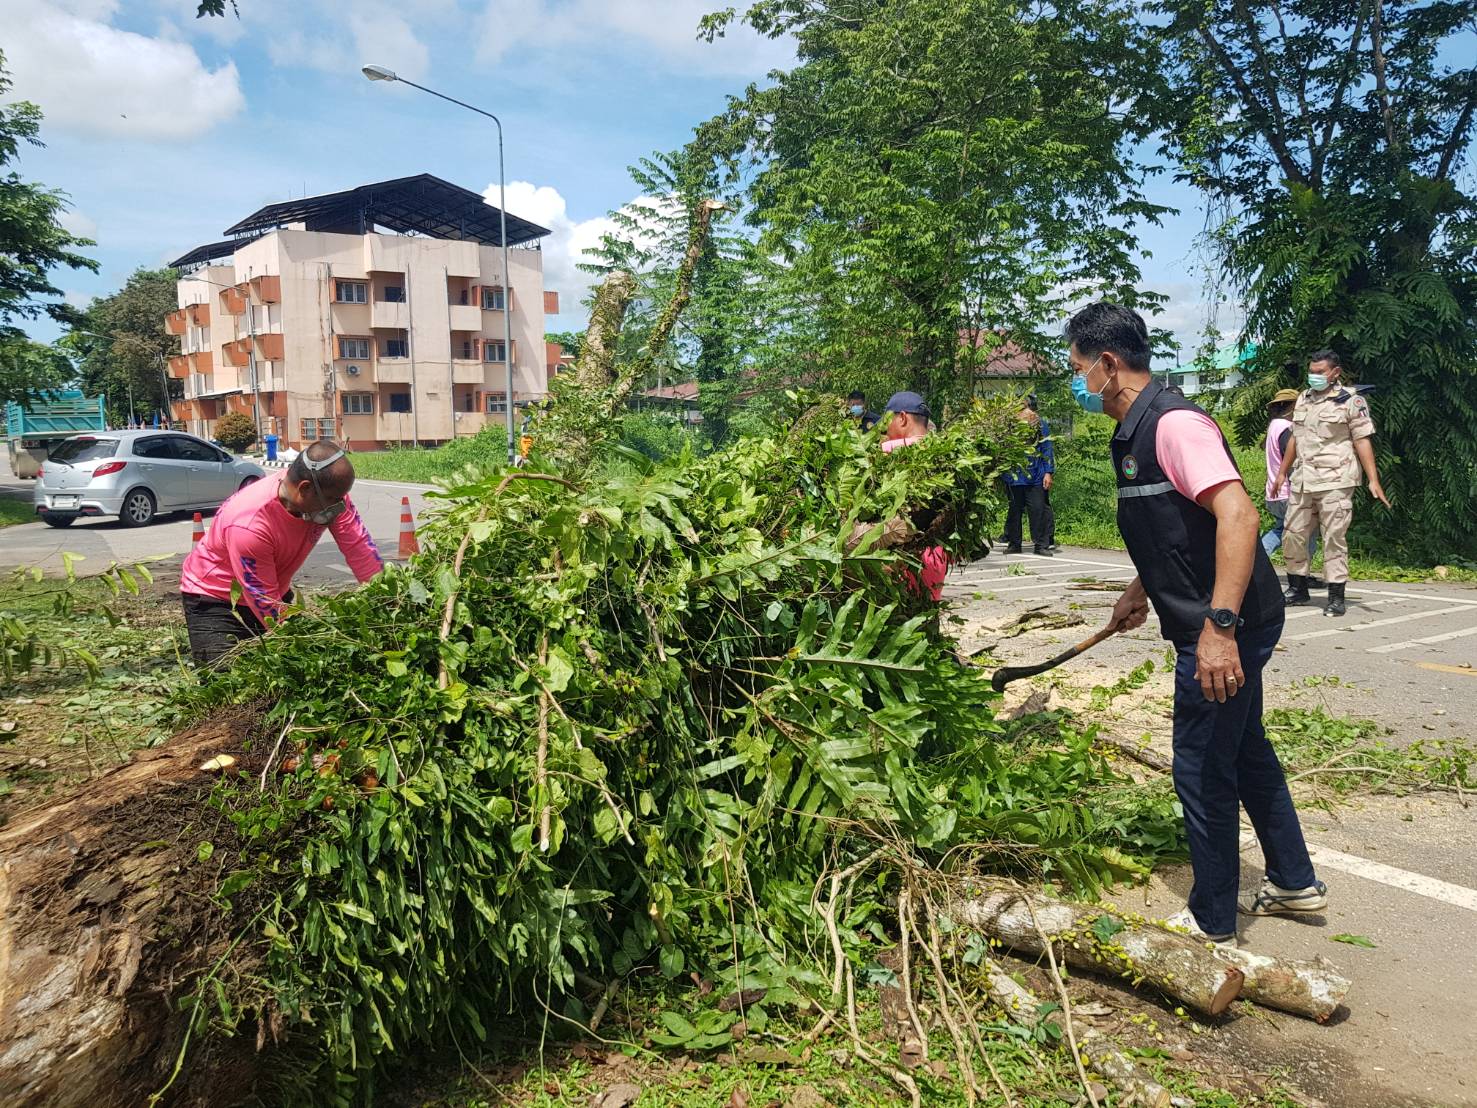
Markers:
<point>1223,761</point>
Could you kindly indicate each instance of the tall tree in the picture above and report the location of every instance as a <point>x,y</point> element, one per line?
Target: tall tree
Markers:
<point>33,242</point>
<point>714,338</point>
<point>120,344</point>
<point>934,168</point>
<point>1330,138</point>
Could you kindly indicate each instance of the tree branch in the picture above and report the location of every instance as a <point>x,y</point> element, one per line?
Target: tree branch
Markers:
<point>1336,103</point>
<point>1457,139</point>
<point>1377,41</point>
<point>1255,110</point>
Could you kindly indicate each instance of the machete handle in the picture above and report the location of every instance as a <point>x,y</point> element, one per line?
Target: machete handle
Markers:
<point>1006,674</point>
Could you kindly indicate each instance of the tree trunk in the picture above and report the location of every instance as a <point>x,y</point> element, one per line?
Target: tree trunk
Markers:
<point>1175,964</point>
<point>1313,989</point>
<point>107,917</point>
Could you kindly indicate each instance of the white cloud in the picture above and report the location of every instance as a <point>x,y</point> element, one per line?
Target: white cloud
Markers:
<point>78,224</point>
<point>567,244</point>
<point>77,299</point>
<point>91,77</point>
<point>664,31</point>
<point>375,33</point>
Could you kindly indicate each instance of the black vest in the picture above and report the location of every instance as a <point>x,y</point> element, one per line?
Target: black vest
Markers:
<point>1170,538</point>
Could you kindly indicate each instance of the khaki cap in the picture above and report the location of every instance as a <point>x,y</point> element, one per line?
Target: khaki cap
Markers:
<point>1283,395</point>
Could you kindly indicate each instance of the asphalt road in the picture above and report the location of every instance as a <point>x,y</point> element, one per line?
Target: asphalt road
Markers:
<point>102,541</point>
<point>1401,871</point>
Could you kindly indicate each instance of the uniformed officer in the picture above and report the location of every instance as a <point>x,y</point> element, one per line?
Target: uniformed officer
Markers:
<point>1191,530</point>
<point>1331,429</point>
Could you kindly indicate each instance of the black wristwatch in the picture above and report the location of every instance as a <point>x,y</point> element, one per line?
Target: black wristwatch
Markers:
<point>1224,618</point>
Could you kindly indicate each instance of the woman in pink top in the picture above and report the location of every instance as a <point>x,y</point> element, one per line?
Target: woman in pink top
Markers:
<point>908,422</point>
<point>259,538</point>
<point>1279,431</point>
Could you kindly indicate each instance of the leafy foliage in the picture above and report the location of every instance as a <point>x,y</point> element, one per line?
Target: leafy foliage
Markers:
<point>1361,238</point>
<point>236,431</point>
<point>119,344</point>
<point>32,243</point>
<point>633,721</point>
<point>932,170</point>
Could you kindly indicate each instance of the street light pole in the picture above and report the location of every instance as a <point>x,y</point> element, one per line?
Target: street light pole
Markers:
<point>381,73</point>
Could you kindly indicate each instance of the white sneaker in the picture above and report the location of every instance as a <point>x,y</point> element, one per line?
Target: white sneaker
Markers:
<point>1184,920</point>
<point>1272,900</point>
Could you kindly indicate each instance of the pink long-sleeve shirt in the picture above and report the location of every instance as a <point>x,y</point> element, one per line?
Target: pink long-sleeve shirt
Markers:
<point>255,540</point>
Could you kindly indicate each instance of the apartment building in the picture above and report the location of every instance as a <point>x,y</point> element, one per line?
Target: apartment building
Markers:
<point>376,316</point>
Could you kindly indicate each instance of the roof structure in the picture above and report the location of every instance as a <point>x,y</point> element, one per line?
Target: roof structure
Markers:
<point>419,205</point>
<point>1225,360</point>
<point>211,251</point>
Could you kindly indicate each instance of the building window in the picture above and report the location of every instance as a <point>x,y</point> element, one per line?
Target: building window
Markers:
<point>351,292</point>
<point>494,351</point>
<point>496,404</point>
<point>470,402</point>
<point>492,299</point>
<point>353,348</point>
<point>399,401</point>
<point>358,403</point>
<point>394,294</point>
<point>396,348</point>
<point>315,429</point>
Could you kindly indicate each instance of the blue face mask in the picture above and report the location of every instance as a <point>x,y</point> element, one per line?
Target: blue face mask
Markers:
<point>1317,382</point>
<point>1088,400</point>
<point>856,409</point>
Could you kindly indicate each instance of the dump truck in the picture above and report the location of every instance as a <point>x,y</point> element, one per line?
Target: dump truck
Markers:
<point>34,427</point>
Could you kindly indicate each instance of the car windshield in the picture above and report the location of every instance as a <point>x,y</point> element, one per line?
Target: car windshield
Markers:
<point>73,451</point>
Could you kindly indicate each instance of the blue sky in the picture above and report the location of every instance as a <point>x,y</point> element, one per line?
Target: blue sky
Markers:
<point>165,129</point>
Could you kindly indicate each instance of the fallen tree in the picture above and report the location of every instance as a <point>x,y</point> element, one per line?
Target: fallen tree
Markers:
<point>619,714</point>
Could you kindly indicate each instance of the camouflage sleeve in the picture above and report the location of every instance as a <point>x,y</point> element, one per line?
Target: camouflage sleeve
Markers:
<point>1361,425</point>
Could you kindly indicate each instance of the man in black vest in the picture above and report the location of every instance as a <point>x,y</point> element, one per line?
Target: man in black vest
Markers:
<point>1191,531</point>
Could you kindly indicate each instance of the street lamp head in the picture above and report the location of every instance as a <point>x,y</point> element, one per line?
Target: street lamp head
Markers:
<point>379,73</point>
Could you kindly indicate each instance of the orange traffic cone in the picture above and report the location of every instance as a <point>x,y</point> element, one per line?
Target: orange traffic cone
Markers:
<point>199,531</point>
<point>408,543</point>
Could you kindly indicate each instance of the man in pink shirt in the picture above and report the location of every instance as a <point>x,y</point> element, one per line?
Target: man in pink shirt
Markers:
<point>1191,531</point>
<point>259,538</point>
<point>908,422</point>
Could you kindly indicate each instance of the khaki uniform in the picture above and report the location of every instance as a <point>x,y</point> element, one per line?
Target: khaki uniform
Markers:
<point>1324,476</point>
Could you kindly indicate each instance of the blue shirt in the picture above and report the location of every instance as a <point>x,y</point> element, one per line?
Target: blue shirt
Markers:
<point>1041,462</point>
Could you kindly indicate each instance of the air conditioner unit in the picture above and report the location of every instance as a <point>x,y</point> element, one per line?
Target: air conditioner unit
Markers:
<point>352,370</point>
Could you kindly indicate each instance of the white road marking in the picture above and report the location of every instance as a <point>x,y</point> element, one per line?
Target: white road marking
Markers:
<point>1059,560</point>
<point>1428,640</point>
<point>1457,895</point>
<point>1436,598</point>
<point>1022,577</point>
<point>1065,585</point>
<point>1351,628</point>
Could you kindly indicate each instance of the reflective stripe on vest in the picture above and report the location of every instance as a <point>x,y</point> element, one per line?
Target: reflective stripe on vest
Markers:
<point>1126,492</point>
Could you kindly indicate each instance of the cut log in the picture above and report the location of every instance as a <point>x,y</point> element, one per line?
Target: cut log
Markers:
<point>1313,988</point>
<point>106,918</point>
<point>1175,964</point>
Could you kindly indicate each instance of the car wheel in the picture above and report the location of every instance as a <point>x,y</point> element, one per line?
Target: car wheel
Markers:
<point>248,481</point>
<point>138,508</point>
<point>57,521</point>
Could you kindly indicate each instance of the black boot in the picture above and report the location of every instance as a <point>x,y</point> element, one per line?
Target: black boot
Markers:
<point>1316,582</point>
<point>1297,589</point>
<point>1335,605</point>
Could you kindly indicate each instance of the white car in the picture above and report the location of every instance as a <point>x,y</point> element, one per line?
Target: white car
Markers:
<point>136,475</point>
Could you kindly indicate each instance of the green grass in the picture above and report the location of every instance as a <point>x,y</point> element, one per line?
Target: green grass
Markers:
<point>1084,499</point>
<point>14,511</point>
<point>774,1067</point>
<point>427,466</point>
<point>59,726</point>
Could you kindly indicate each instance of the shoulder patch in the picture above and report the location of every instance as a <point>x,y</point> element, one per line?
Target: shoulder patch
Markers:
<point>1130,466</point>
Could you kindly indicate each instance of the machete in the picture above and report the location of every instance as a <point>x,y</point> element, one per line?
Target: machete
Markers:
<point>1006,674</point>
